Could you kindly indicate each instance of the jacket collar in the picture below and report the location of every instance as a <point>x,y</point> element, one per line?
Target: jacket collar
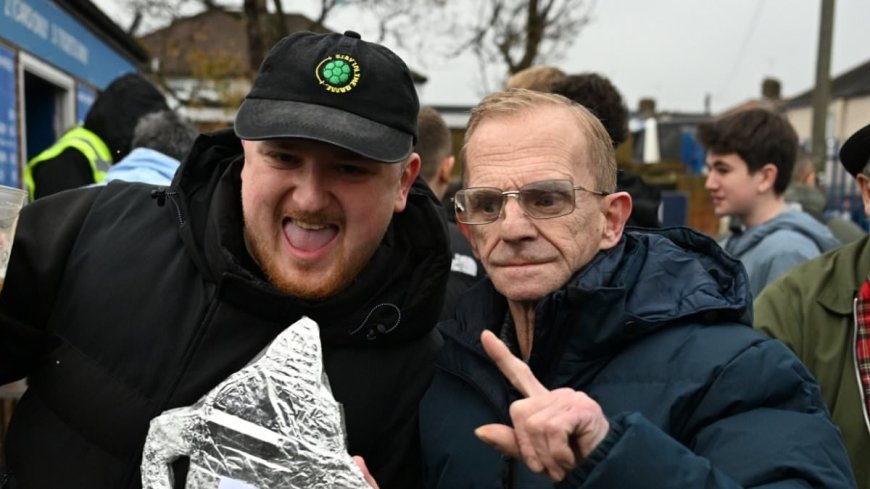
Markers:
<point>742,242</point>
<point>850,269</point>
<point>649,281</point>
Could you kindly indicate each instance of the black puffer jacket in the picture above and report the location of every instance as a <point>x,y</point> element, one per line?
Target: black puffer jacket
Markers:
<point>124,301</point>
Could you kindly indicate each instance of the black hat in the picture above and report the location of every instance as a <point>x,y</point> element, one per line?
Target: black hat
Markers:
<point>855,153</point>
<point>334,88</point>
<point>115,127</point>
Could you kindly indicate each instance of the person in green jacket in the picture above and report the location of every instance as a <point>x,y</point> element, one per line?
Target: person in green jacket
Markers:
<point>821,310</point>
<point>805,194</point>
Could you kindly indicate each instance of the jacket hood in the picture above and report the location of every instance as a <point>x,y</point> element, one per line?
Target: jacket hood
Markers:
<point>119,107</point>
<point>671,275</point>
<point>144,165</point>
<point>800,222</point>
<point>811,199</point>
<point>396,297</point>
<point>650,280</point>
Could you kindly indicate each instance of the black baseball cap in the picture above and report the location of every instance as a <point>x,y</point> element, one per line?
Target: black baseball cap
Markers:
<point>334,88</point>
<point>855,152</point>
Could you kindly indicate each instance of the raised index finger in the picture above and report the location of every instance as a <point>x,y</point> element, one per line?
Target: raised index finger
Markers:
<point>517,372</point>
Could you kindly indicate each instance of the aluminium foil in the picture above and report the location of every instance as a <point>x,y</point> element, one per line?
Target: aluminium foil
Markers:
<point>274,424</point>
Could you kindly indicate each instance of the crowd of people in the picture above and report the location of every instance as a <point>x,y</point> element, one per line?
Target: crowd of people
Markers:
<point>529,325</point>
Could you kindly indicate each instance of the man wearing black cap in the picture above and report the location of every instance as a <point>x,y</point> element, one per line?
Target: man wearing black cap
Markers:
<point>139,299</point>
<point>821,310</point>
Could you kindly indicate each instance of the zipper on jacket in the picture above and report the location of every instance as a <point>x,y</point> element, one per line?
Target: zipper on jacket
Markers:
<point>508,474</point>
<point>478,390</point>
<point>167,394</point>
<point>855,363</point>
<point>161,193</point>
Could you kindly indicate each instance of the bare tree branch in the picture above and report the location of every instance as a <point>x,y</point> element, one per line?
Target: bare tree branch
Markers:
<point>135,23</point>
<point>255,14</point>
<point>279,23</point>
<point>516,33</point>
<point>326,7</point>
<point>501,34</point>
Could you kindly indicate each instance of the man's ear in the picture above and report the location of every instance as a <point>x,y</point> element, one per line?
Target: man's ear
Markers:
<point>863,182</point>
<point>468,232</point>
<point>768,174</point>
<point>410,170</point>
<point>616,208</point>
<point>445,169</point>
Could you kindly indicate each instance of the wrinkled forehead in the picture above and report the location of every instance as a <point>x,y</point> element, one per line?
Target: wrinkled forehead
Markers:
<point>549,143</point>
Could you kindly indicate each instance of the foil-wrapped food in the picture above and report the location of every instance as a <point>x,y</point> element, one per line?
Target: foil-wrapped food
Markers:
<point>272,425</point>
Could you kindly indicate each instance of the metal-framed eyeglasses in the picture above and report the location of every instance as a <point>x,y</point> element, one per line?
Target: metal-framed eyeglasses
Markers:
<point>539,200</point>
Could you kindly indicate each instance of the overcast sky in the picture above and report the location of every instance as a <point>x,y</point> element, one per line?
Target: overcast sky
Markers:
<point>675,51</point>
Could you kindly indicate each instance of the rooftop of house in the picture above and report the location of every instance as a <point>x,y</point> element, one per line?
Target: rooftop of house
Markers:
<point>855,82</point>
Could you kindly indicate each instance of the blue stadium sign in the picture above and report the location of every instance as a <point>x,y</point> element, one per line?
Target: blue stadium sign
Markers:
<point>8,131</point>
<point>45,30</point>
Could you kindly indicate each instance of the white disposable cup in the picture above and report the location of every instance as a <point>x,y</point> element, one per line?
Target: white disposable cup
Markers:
<point>11,201</point>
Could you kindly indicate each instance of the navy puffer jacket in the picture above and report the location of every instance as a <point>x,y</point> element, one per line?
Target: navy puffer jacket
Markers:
<point>657,331</point>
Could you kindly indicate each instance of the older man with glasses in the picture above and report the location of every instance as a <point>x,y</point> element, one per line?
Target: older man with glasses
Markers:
<point>593,357</point>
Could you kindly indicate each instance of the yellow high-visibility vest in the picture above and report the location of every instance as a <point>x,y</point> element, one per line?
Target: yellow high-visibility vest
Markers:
<point>88,143</point>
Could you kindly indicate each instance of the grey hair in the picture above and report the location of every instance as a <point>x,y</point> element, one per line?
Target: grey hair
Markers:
<point>165,131</point>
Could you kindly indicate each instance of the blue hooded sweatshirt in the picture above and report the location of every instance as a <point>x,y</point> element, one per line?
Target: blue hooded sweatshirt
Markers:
<point>774,247</point>
<point>144,165</point>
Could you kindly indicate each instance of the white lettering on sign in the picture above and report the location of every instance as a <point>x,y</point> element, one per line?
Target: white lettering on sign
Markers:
<point>24,14</point>
<point>227,483</point>
<point>6,64</point>
<point>69,44</point>
<point>85,98</point>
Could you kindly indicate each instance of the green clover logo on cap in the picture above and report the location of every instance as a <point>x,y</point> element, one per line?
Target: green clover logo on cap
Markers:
<point>338,74</point>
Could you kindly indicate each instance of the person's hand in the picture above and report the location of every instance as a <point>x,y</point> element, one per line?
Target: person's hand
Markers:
<point>361,463</point>
<point>553,430</point>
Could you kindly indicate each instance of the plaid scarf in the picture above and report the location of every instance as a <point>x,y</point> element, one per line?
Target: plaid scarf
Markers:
<point>862,341</point>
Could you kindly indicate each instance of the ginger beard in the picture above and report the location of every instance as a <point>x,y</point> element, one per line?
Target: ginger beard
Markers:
<point>345,267</point>
<point>314,214</point>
